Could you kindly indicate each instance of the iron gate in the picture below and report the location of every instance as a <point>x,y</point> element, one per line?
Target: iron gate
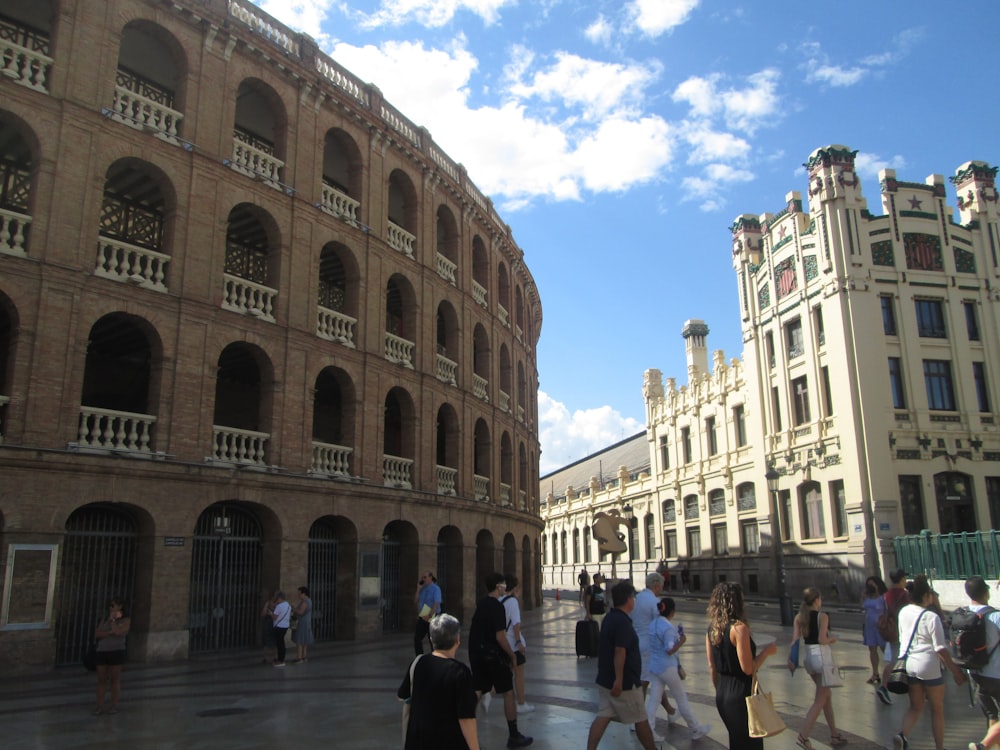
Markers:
<point>442,573</point>
<point>225,580</point>
<point>98,562</point>
<point>390,586</point>
<point>323,580</point>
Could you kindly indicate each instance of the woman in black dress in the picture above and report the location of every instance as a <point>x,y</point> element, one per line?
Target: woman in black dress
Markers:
<point>732,659</point>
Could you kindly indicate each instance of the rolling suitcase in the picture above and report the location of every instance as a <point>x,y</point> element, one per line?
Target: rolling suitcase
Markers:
<point>587,635</point>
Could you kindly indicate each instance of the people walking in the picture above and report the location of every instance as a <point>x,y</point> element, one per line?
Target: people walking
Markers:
<point>895,599</point>
<point>302,635</point>
<point>491,656</point>
<point>987,676</point>
<point>428,601</point>
<point>619,667</point>
<point>665,640</point>
<point>732,660</point>
<point>515,638</point>
<point>595,601</point>
<point>583,580</point>
<point>111,635</point>
<point>442,701</point>
<point>812,625</point>
<point>281,616</point>
<point>873,605</point>
<point>643,615</point>
<point>925,651</point>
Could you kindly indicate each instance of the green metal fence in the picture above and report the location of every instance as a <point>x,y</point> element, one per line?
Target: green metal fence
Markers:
<point>950,556</point>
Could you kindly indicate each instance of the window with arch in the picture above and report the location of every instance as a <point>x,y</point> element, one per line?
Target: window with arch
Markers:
<point>649,527</point>
<point>398,439</point>
<point>576,545</point>
<point>586,544</point>
<point>669,511</point>
<point>717,503</point>
<point>482,451</point>
<point>337,298</point>
<point>242,414</point>
<point>503,295</point>
<point>446,237</point>
<point>480,272</point>
<point>333,423</point>
<point>259,133</point>
<point>562,548</point>
<point>149,81</point>
<point>340,188</point>
<point>400,321</point>
<point>402,216</point>
<point>690,507</point>
<point>251,263</point>
<point>16,167</point>
<point>746,497</point>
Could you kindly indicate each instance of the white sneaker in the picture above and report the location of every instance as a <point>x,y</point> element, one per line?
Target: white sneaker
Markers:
<point>525,708</point>
<point>701,731</point>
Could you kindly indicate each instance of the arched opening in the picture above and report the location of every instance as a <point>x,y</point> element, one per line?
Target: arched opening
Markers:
<point>149,82</point>
<point>485,560</point>
<point>446,236</point>
<point>29,40</point>
<point>480,363</point>
<point>338,294</point>
<point>259,133</point>
<point>505,378</point>
<point>503,294</point>
<point>482,460</point>
<point>446,335</point>
<point>506,470</point>
<point>522,390</point>
<point>527,575</point>
<point>333,423</point>
<point>447,450</point>
<point>509,554</point>
<point>480,272</point>
<point>342,170</point>
<point>333,569</point>
<point>252,262</point>
<point>242,414</point>
<point>16,176</point>
<point>399,553</point>
<point>398,439</point>
<point>519,312</point>
<point>400,321</point>
<point>451,571</point>
<point>522,478</point>
<point>402,213</point>
<point>226,562</point>
<point>811,511</point>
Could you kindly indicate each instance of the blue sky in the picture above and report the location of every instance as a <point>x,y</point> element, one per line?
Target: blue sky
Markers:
<point>620,140</point>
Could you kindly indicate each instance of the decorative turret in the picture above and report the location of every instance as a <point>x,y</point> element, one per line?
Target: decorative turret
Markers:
<point>975,182</point>
<point>832,176</point>
<point>747,232</point>
<point>694,333</point>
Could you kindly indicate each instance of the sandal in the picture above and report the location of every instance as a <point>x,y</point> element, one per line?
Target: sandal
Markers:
<point>804,743</point>
<point>837,739</point>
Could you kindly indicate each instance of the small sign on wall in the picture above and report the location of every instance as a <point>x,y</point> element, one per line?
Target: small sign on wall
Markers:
<point>173,541</point>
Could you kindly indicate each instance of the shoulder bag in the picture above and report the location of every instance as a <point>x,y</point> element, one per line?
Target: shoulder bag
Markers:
<point>898,680</point>
<point>406,703</point>
<point>762,719</point>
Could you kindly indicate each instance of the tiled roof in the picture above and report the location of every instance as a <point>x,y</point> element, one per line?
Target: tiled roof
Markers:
<point>631,452</point>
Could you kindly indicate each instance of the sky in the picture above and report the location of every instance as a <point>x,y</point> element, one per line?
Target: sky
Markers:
<point>620,140</point>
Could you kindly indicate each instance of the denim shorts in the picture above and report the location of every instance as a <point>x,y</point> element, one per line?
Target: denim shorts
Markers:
<point>926,683</point>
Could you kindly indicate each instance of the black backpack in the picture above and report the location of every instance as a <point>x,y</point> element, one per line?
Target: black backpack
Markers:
<point>968,638</point>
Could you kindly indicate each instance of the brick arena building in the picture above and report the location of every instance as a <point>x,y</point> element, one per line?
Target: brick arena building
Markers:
<point>257,331</point>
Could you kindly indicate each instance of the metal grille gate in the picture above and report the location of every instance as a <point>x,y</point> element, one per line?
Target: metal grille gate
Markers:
<point>98,562</point>
<point>322,584</point>
<point>225,580</point>
<point>390,586</point>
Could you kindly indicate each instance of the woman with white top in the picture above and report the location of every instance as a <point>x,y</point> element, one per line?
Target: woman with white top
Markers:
<point>923,630</point>
<point>664,642</point>
<point>282,617</point>
<point>516,640</point>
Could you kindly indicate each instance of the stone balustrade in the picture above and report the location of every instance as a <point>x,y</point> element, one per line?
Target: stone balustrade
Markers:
<point>518,333</point>
<point>447,480</point>
<point>397,472</point>
<point>242,296</point>
<point>401,240</point>
<point>503,401</point>
<point>115,430</point>
<point>522,500</point>
<point>481,487</point>
<point>335,326</point>
<point>257,163</point>
<point>503,315</point>
<point>480,387</point>
<point>24,66</point>
<point>121,261</point>
<point>12,230</point>
<point>239,446</point>
<point>399,350</point>
<point>479,294</point>
<point>504,495</point>
<point>339,204</point>
<point>446,370</point>
<point>142,113</point>
<point>520,413</point>
<point>331,460</point>
<point>446,269</point>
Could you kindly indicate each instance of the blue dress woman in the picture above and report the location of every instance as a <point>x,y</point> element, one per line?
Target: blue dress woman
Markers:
<point>302,636</point>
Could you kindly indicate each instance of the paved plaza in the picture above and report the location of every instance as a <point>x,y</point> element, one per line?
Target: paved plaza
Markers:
<point>344,697</point>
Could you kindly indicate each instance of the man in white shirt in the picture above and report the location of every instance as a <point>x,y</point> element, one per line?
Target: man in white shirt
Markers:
<point>987,679</point>
<point>643,615</point>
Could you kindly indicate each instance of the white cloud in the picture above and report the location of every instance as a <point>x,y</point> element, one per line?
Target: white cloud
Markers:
<point>306,16</point>
<point>744,108</point>
<point>600,31</point>
<point>712,145</point>
<point>869,165</point>
<point>622,153</point>
<point>819,69</point>
<point>654,17</point>
<point>567,437</point>
<point>707,191</point>
<point>433,13</point>
<point>833,74</point>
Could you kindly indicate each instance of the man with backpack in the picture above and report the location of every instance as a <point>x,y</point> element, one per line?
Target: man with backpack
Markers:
<point>975,635</point>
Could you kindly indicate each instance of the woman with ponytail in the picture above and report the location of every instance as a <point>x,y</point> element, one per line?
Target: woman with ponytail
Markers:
<point>813,627</point>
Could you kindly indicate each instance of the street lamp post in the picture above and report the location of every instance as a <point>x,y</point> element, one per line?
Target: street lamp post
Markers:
<point>784,602</point>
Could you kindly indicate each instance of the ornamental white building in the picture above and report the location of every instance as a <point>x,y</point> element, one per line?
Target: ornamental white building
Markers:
<point>867,381</point>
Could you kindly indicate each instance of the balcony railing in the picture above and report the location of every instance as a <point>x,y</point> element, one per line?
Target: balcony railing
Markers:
<point>399,350</point>
<point>503,401</point>
<point>331,460</point>
<point>479,293</point>
<point>522,500</point>
<point>339,204</point>
<point>519,333</point>
<point>242,296</point>
<point>446,369</point>
<point>4,400</point>
<point>399,239</point>
<point>504,495</point>
<point>24,55</point>
<point>447,478</point>
<point>335,326</point>
<point>255,159</point>
<point>397,472</point>
<point>115,430</point>
<point>239,446</point>
<point>12,230</point>
<point>121,261</point>
<point>503,315</point>
<point>482,487</point>
<point>446,269</point>
<point>143,113</point>
<point>480,387</point>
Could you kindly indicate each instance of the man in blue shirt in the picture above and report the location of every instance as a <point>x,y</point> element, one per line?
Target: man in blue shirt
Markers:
<point>987,679</point>
<point>428,604</point>
<point>619,669</point>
